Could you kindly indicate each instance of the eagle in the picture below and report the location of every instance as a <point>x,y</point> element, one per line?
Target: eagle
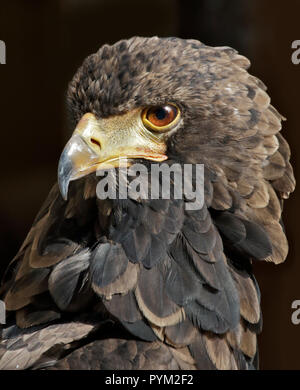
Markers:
<point>139,282</point>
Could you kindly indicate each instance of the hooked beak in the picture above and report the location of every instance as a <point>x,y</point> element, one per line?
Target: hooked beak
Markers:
<point>104,144</point>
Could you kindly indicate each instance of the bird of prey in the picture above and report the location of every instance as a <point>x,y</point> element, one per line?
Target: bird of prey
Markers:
<point>142,283</point>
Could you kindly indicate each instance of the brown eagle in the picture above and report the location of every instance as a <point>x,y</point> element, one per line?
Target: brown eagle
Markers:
<point>142,283</point>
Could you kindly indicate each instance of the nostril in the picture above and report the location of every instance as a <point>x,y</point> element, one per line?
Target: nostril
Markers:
<point>94,141</point>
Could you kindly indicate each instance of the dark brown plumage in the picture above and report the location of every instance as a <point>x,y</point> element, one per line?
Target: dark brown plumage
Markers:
<point>112,284</point>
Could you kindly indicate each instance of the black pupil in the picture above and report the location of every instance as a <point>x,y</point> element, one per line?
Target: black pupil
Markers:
<point>161,113</point>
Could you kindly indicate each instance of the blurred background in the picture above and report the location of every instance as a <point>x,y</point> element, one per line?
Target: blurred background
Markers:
<point>47,40</point>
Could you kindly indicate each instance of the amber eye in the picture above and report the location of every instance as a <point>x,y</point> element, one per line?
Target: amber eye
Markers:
<point>160,118</point>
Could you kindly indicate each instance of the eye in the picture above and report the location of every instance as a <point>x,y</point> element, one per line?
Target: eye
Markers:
<point>161,118</point>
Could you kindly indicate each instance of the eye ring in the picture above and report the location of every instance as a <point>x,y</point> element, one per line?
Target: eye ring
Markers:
<point>160,118</point>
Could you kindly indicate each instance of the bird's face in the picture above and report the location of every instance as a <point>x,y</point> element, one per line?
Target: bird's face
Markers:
<point>117,141</point>
<point>156,99</point>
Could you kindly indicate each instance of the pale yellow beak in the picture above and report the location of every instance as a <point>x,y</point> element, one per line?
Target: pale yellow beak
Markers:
<point>106,143</point>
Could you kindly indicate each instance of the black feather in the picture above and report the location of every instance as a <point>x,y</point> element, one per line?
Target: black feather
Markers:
<point>123,307</point>
<point>108,262</point>
<point>140,329</point>
<point>64,277</point>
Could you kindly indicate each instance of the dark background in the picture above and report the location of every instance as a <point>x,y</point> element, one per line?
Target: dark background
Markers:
<point>46,42</point>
